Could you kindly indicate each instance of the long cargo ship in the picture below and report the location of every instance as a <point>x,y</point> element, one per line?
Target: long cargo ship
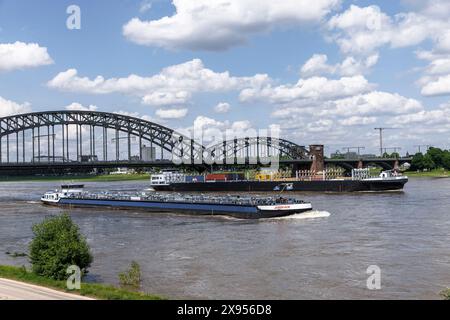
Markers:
<point>359,182</point>
<point>235,206</point>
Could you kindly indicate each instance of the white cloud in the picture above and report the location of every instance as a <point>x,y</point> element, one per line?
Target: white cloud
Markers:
<point>166,98</point>
<point>222,107</point>
<point>322,125</point>
<point>439,86</point>
<point>432,8</point>
<point>363,30</point>
<point>443,41</point>
<point>424,117</point>
<point>210,131</point>
<point>436,78</point>
<point>358,121</point>
<point>20,55</point>
<point>318,65</point>
<point>319,88</point>
<point>376,103</point>
<point>359,107</point>
<point>145,6</point>
<point>439,66</point>
<point>171,113</point>
<point>221,24</point>
<point>328,121</point>
<point>77,106</point>
<point>9,108</point>
<point>173,85</point>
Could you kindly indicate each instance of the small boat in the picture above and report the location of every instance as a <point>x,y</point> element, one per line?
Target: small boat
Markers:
<point>245,207</point>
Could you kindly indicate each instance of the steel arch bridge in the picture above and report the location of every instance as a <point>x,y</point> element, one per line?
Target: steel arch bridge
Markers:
<point>256,147</point>
<point>60,136</point>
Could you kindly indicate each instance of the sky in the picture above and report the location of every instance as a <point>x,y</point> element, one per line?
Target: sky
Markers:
<point>323,71</point>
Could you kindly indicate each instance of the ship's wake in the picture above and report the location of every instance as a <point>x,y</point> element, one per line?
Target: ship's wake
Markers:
<point>305,215</point>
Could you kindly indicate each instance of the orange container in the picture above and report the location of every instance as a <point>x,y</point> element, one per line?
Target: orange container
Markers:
<point>216,177</point>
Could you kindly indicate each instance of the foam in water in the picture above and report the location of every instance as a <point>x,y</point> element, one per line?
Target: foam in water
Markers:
<point>305,215</point>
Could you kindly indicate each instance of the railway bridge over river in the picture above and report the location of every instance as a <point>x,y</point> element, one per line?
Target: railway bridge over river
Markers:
<point>55,142</point>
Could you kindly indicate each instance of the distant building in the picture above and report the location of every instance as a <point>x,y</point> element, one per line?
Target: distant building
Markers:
<point>148,154</point>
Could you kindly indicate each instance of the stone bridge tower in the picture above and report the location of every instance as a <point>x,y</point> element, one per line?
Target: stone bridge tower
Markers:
<point>317,153</point>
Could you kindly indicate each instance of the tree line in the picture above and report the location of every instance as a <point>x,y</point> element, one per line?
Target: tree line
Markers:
<point>434,158</point>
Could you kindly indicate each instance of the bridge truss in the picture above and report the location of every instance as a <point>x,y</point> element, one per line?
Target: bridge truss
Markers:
<point>255,148</point>
<point>71,136</point>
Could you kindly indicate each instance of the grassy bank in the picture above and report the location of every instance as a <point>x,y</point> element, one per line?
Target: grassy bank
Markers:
<point>446,294</point>
<point>93,290</point>
<point>437,173</point>
<point>88,178</point>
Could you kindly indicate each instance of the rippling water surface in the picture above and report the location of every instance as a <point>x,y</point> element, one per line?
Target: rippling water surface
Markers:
<point>323,255</point>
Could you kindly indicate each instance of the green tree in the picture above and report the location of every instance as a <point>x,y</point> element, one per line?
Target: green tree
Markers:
<point>446,160</point>
<point>58,244</point>
<point>436,155</point>
<point>428,162</point>
<point>417,162</point>
<point>395,155</point>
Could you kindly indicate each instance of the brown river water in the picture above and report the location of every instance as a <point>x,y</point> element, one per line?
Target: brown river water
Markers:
<point>317,256</point>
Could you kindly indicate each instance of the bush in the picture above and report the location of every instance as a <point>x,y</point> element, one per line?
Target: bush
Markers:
<point>58,244</point>
<point>132,277</point>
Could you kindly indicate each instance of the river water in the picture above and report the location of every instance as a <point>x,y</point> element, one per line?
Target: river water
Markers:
<point>406,234</point>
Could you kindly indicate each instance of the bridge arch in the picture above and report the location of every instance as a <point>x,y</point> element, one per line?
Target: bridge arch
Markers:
<point>54,127</point>
<point>256,147</point>
<point>382,164</point>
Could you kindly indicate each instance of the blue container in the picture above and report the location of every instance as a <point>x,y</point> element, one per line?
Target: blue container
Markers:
<point>193,179</point>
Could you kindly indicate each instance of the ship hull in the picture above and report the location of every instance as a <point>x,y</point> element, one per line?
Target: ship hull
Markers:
<point>237,211</point>
<point>296,186</point>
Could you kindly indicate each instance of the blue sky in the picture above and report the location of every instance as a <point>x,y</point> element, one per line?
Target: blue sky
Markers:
<point>331,103</point>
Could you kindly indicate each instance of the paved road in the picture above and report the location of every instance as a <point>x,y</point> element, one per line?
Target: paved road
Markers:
<point>14,290</point>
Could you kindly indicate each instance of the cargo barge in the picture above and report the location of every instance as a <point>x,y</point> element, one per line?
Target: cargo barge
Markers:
<point>235,206</point>
<point>361,181</point>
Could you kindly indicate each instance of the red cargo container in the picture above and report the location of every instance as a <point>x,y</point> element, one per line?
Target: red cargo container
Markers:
<point>216,177</point>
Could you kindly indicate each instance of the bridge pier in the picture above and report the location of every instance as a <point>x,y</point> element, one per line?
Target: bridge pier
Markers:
<point>396,166</point>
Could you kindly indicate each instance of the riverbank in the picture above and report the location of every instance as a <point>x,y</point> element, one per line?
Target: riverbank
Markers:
<point>93,290</point>
<point>446,294</point>
<point>86,178</point>
<point>437,173</point>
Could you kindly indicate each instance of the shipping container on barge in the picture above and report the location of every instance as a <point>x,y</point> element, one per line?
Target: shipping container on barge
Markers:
<point>360,181</point>
<point>235,206</point>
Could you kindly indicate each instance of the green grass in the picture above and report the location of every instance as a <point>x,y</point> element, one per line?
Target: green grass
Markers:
<point>87,178</point>
<point>446,294</point>
<point>93,290</point>
<point>432,173</point>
